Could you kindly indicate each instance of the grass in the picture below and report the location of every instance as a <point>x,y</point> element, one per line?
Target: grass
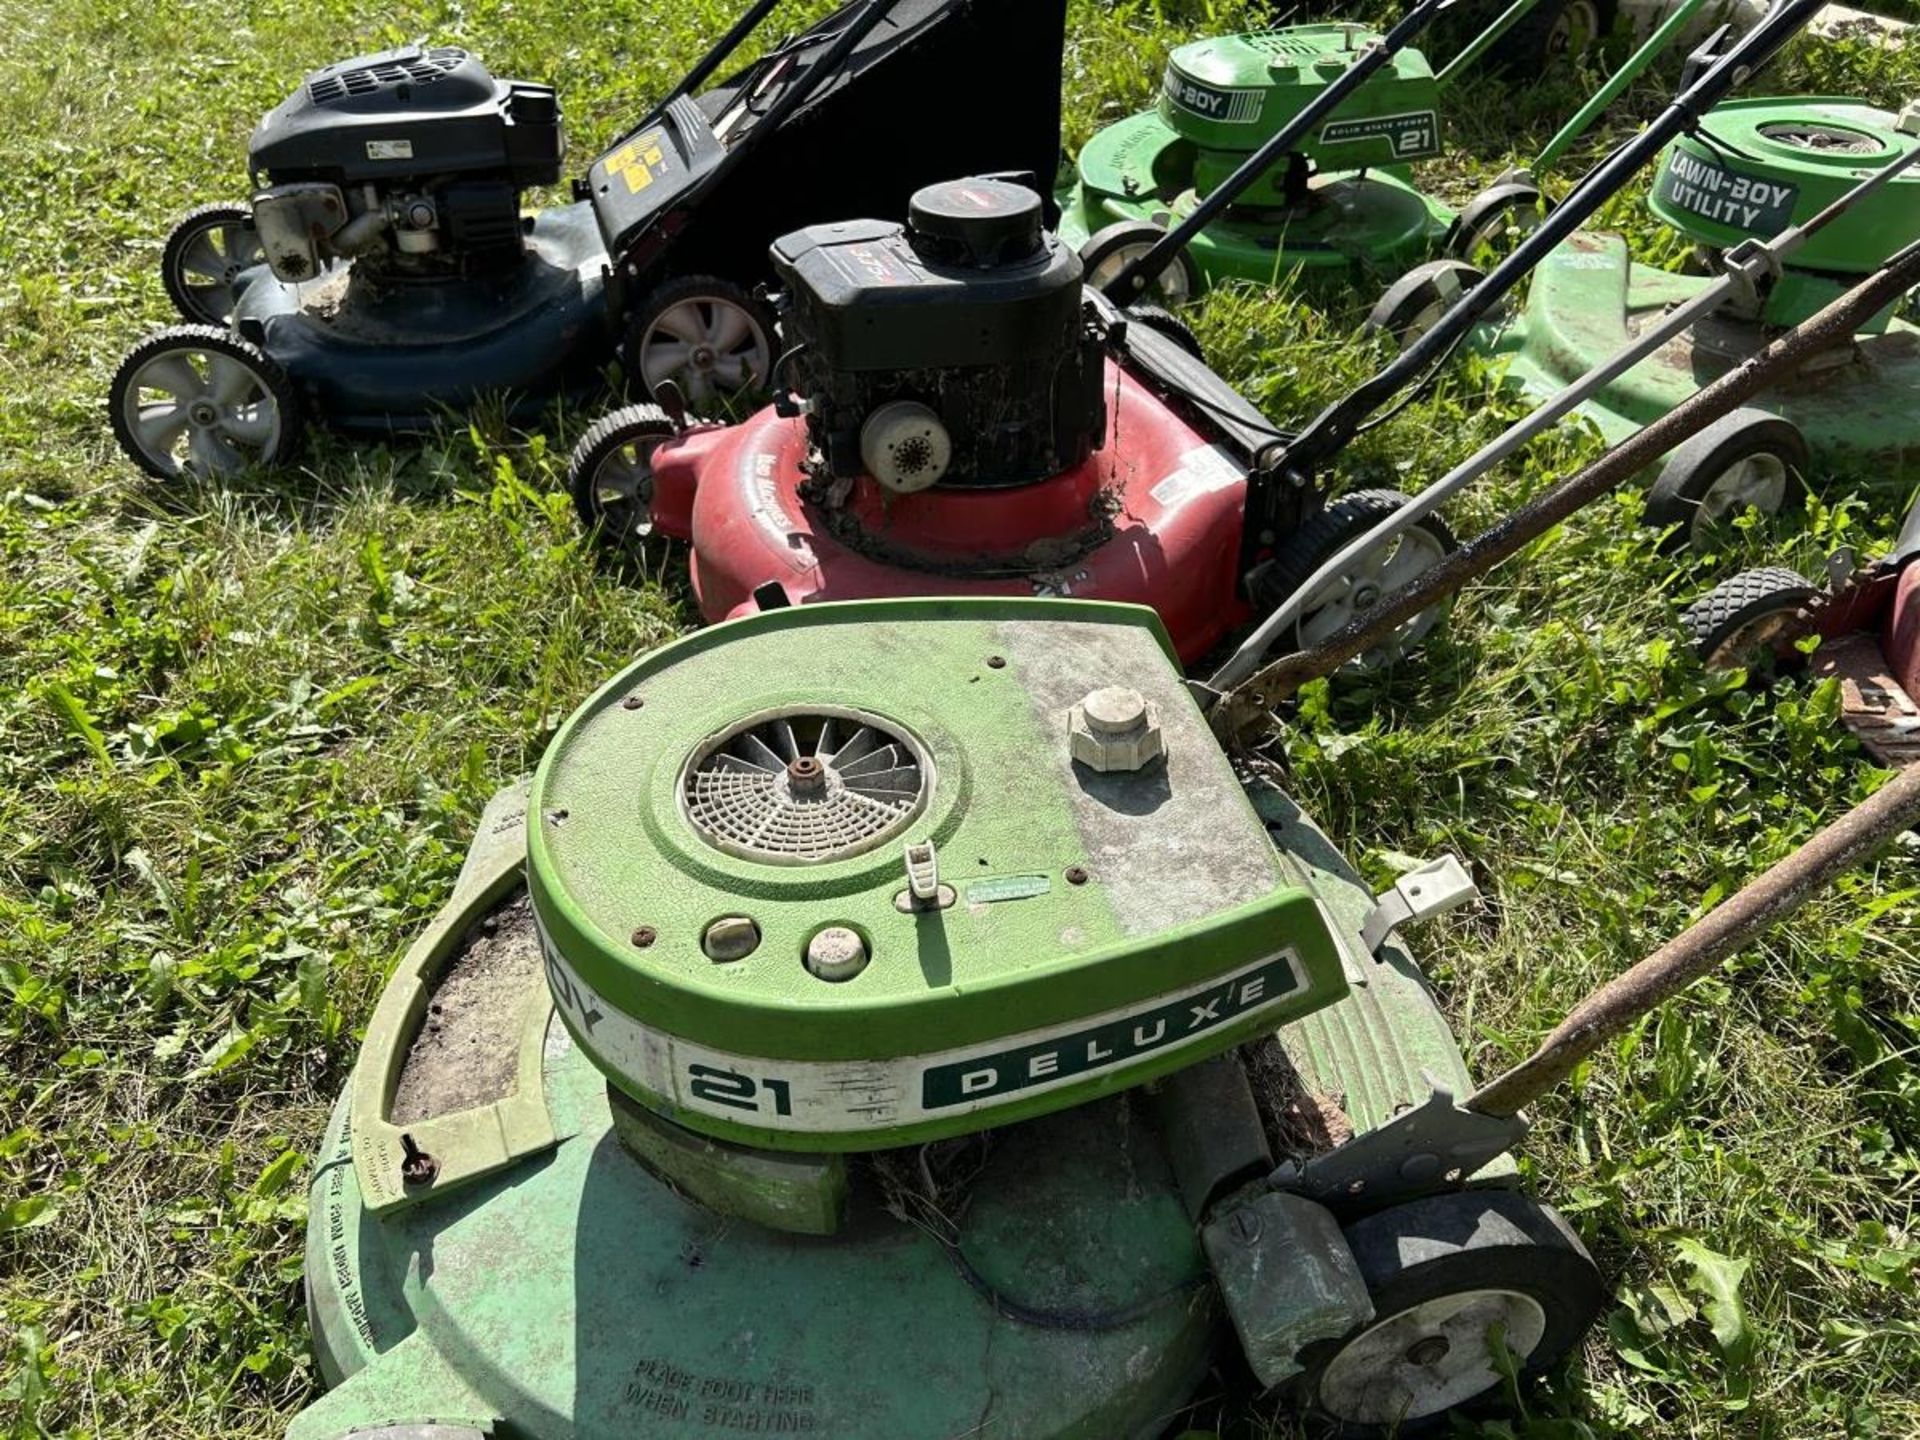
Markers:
<point>245,731</point>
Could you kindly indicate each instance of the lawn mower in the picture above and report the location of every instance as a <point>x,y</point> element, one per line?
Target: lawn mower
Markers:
<point>903,1019</point>
<point>1866,620</point>
<point>384,274</point>
<point>958,413</point>
<point>1336,194</point>
<point>1749,170</point>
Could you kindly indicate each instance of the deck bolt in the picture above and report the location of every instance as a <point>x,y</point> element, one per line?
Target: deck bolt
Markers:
<point>1245,1226</point>
<point>644,936</point>
<point>632,702</point>
<point>996,662</point>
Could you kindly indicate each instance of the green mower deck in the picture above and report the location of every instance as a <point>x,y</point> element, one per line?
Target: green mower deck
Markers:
<point>502,1242</point>
<point>1772,163</point>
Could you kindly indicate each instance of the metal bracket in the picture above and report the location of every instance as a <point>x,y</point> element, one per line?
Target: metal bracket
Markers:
<point>1751,267</point>
<point>1435,888</point>
<point>1430,1148</point>
<point>1842,565</point>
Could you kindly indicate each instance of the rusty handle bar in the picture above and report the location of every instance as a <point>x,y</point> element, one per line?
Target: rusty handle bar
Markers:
<point>1246,705</point>
<point>1729,926</point>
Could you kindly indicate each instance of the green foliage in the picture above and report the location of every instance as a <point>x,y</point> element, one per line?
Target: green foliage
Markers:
<point>245,732</point>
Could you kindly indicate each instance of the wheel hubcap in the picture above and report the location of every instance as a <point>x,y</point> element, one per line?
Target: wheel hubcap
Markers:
<point>1757,482</point>
<point>1430,1357</point>
<point>708,346</point>
<point>213,260</point>
<point>1373,576</point>
<point>623,488</point>
<point>1170,285</point>
<point>201,408</point>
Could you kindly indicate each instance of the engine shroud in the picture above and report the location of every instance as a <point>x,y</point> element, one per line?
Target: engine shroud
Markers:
<point>1768,162</point>
<point>1095,929</point>
<point>411,160</point>
<point>970,309</point>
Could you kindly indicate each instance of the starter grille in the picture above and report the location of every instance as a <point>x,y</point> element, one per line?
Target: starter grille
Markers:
<point>1824,139</point>
<point>803,787</point>
<point>421,68</point>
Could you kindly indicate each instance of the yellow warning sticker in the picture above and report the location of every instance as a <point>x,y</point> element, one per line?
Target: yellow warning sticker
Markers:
<point>639,162</point>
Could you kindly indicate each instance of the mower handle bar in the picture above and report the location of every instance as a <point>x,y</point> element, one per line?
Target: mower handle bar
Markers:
<point>1333,428</point>
<point>796,94</point>
<point>1744,266</point>
<point>713,59</point>
<point>1134,278</point>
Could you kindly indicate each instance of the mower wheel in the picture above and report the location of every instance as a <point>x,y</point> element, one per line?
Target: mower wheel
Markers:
<point>1109,251</point>
<point>1553,30</point>
<point>708,336</point>
<point>1444,1273</point>
<point>1165,322</point>
<point>1376,574</point>
<point>198,398</point>
<point>204,255</point>
<point>1741,620</point>
<point>611,475</point>
<point>1748,459</point>
<point>1418,299</point>
<point>1496,220</point>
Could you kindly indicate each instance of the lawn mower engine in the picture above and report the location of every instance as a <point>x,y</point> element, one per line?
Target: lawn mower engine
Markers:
<point>1344,194</point>
<point>400,277</point>
<point>776,1067</point>
<point>411,162</point>
<point>956,350</point>
<point>956,413</point>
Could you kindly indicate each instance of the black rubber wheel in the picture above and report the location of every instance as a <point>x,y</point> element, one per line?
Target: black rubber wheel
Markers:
<point>1165,322</point>
<point>1553,30</point>
<point>1351,595</point>
<point>1747,459</point>
<point>196,397</point>
<point>1109,251</point>
<point>204,255</point>
<point>1417,300</point>
<point>1496,220</point>
<point>610,475</point>
<point>1746,618</point>
<point>1442,1272</point>
<point>708,336</point>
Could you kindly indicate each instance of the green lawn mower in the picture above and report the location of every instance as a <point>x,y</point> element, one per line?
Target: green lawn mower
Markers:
<point>1749,170</point>
<point>903,1019</point>
<point>1338,113</point>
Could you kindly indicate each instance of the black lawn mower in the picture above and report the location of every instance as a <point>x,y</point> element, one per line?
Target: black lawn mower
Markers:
<point>384,275</point>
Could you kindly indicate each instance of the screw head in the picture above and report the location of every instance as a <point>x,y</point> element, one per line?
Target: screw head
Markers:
<point>644,936</point>
<point>1076,875</point>
<point>1245,1226</point>
<point>632,702</point>
<point>1430,1351</point>
<point>996,662</point>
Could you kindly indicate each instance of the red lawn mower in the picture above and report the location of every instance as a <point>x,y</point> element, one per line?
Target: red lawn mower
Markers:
<point>957,413</point>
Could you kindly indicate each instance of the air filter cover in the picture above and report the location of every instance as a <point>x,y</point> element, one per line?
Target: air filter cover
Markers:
<point>897,778</point>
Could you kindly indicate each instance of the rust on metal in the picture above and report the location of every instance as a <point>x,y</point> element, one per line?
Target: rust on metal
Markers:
<point>1760,905</point>
<point>1244,708</point>
<point>1873,704</point>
